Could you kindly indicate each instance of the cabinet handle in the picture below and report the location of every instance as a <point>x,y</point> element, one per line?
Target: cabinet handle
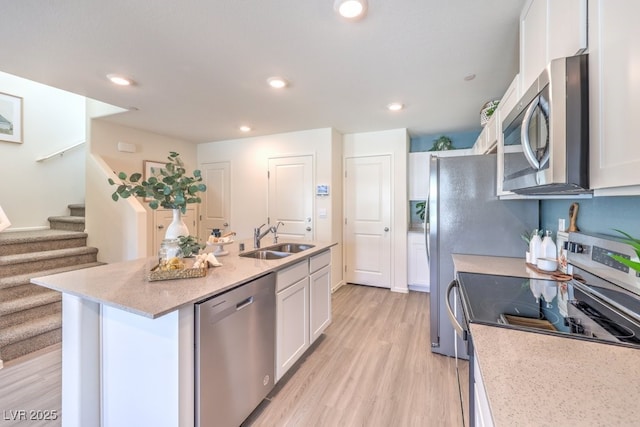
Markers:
<point>160,226</point>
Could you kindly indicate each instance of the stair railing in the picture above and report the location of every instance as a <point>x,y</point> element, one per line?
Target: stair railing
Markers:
<point>59,152</point>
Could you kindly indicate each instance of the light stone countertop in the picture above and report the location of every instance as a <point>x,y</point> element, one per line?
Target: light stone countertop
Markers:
<point>534,379</point>
<point>499,266</point>
<point>124,285</point>
<point>542,380</point>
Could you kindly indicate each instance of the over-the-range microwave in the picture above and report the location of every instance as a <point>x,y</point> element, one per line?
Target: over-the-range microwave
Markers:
<point>546,135</point>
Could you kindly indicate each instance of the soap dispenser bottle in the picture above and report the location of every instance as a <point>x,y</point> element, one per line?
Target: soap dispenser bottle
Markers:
<point>534,247</point>
<point>548,247</point>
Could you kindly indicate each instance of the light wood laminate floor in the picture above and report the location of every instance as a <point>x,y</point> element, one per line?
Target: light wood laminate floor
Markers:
<point>373,367</point>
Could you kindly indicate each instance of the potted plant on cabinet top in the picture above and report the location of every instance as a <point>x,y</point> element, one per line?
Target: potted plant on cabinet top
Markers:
<point>167,187</point>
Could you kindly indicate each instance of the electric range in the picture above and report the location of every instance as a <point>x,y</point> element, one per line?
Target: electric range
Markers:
<point>601,302</point>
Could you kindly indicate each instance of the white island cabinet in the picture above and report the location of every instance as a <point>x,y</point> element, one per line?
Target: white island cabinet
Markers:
<point>303,308</point>
<point>128,343</point>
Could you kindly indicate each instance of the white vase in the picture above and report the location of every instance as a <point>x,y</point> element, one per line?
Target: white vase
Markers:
<point>177,227</point>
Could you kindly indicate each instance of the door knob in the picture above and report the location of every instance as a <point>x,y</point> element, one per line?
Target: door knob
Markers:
<point>160,226</point>
<point>386,229</point>
<point>308,228</point>
<point>226,224</point>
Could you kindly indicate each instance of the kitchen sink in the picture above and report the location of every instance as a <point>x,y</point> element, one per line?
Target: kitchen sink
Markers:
<point>291,248</point>
<point>265,254</point>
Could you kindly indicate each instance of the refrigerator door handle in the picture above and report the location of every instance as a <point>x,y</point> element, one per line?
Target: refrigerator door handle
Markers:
<point>452,317</point>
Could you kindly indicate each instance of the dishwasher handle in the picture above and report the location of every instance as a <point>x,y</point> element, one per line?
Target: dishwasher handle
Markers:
<point>452,317</point>
<point>242,304</point>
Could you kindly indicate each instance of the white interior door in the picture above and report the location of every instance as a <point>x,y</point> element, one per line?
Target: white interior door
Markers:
<point>368,220</point>
<point>216,201</point>
<point>291,196</point>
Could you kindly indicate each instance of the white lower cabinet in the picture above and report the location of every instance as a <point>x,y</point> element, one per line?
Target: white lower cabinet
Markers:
<point>417,261</point>
<point>303,308</point>
<point>292,320</point>
<point>319,301</point>
<point>482,412</point>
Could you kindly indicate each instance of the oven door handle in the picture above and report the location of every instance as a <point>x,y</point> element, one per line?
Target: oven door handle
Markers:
<point>452,317</point>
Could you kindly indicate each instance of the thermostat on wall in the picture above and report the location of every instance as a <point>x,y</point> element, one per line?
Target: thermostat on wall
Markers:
<point>322,190</point>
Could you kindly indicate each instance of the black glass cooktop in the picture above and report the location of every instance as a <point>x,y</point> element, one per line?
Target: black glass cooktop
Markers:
<point>546,306</point>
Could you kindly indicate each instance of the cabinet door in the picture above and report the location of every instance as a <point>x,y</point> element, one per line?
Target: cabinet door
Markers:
<point>614,56</point>
<point>292,325</point>
<point>320,301</point>
<point>418,264</point>
<point>567,28</point>
<point>482,411</point>
<point>533,41</point>
<point>419,175</point>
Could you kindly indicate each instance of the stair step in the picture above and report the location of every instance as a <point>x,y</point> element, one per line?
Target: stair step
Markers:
<point>24,297</point>
<point>73,223</point>
<point>20,242</point>
<point>45,260</point>
<point>34,343</point>
<point>76,209</point>
<point>23,279</point>
<point>27,315</point>
<point>28,330</point>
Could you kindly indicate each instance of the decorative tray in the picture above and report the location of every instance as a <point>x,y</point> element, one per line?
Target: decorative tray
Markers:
<point>184,273</point>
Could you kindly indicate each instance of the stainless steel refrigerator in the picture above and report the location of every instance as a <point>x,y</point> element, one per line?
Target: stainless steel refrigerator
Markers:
<point>466,217</point>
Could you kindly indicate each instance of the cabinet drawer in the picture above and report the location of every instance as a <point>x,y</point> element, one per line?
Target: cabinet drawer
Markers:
<point>290,275</point>
<point>316,262</point>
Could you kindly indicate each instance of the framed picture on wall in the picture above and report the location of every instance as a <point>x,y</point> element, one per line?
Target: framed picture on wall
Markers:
<point>10,118</point>
<point>149,166</point>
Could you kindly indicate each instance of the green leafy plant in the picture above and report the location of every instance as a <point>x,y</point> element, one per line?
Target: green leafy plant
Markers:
<point>441,144</point>
<point>189,245</point>
<point>492,109</point>
<point>421,209</point>
<point>635,243</point>
<point>168,187</point>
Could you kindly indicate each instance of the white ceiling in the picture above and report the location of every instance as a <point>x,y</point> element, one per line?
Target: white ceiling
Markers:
<point>201,65</point>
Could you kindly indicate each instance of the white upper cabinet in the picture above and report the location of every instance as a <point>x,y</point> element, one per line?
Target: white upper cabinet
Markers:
<point>419,175</point>
<point>550,29</point>
<point>614,57</point>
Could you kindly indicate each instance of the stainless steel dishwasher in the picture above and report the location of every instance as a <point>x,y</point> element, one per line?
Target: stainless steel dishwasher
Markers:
<point>235,352</point>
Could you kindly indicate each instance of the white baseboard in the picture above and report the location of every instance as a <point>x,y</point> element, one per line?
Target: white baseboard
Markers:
<point>17,229</point>
<point>338,286</point>
<point>419,288</point>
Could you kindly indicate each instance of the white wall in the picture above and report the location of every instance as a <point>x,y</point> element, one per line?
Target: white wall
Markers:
<point>248,158</point>
<point>104,138</point>
<point>396,144</point>
<point>52,120</point>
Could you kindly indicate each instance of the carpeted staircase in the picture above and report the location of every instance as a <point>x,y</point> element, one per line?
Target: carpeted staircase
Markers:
<point>30,315</point>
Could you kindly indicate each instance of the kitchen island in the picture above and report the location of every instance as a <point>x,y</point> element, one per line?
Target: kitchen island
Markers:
<point>128,343</point>
<point>538,379</point>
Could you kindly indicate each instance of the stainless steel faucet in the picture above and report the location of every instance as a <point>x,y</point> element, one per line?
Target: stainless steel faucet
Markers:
<point>274,229</point>
<point>259,234</point>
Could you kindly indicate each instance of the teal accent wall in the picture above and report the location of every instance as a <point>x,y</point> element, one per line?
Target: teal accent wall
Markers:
<point>459,139</point>
<point>597,215</point>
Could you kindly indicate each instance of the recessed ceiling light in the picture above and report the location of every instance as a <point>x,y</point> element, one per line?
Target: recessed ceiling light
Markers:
<point>245,128</point>
<point>351,9</point>
<point>395,106</point>
<point>277,82</point>
<point>469,77</point>
<point>120,80</point>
